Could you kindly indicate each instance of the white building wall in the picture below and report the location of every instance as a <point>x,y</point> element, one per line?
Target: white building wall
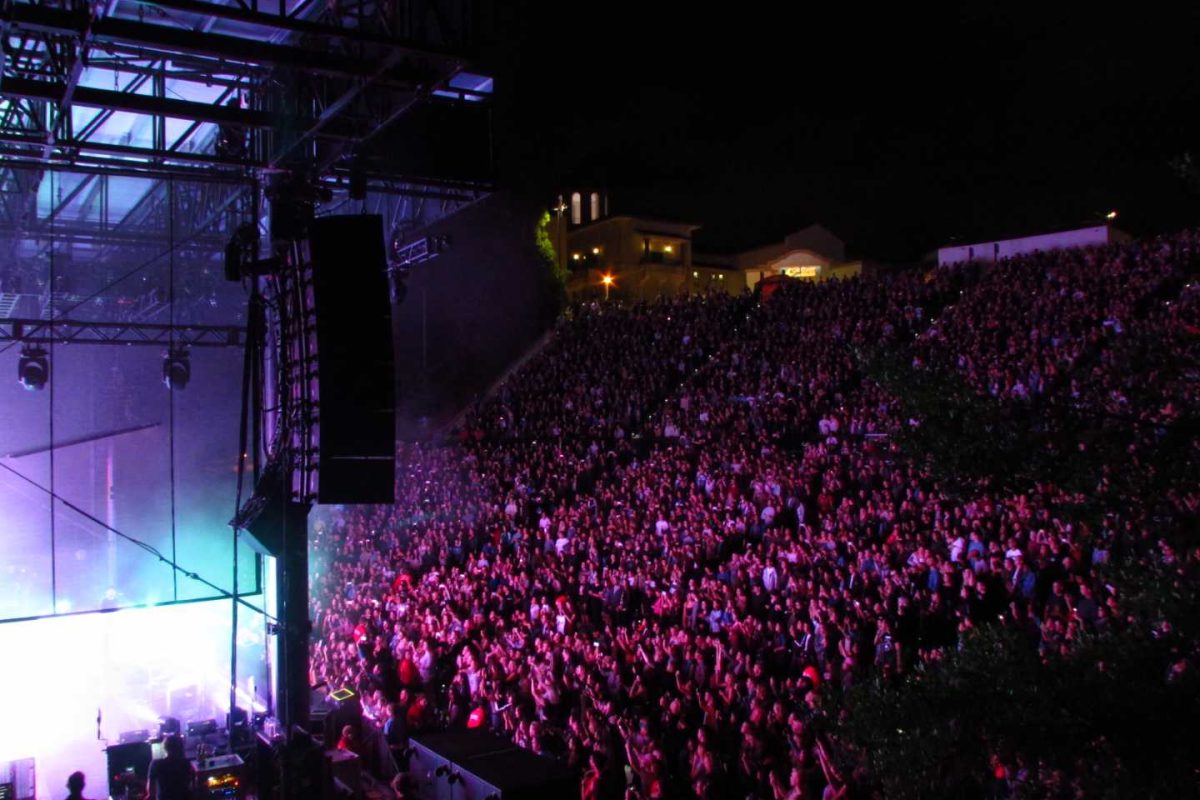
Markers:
<point>1007,248</point>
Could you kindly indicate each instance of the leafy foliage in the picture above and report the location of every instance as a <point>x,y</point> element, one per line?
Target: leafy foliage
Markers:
<point>964,437</point>
<point>1112,713</point>
<point>545,247</point>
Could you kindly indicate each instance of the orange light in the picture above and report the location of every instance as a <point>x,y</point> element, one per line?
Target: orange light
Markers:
<point>607,280</point>
<point>668,249</point>
<point>575,256</point>
<point>595,251</point>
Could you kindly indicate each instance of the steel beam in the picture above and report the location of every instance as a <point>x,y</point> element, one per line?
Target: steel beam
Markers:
<point>36,331</point>
<point>46,20</point>
<point>53,91</point>
<point>142,153</point>
<point>291,24</point>
<point>16,158</point>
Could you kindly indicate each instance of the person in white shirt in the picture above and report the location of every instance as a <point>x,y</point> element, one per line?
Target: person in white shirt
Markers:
<point>424,662</point>
<point>770,578</point>
<point>957,545</point>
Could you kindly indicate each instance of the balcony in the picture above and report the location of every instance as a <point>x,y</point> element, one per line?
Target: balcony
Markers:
<point>660,257</point>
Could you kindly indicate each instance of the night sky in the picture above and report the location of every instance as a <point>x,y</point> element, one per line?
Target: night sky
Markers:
<point>899,129</point>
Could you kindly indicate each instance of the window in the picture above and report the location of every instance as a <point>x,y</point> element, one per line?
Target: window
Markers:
<point>576,208</point>
<point>595,205</point>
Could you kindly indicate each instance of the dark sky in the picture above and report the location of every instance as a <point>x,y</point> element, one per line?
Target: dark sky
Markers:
<point>897,128</point>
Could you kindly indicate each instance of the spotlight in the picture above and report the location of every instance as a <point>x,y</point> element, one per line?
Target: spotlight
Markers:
<point>177,368</point>
<point>33,368</point>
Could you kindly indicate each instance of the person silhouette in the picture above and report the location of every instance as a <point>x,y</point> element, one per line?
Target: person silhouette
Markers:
<point>75,784</point>
<point>171,778</point>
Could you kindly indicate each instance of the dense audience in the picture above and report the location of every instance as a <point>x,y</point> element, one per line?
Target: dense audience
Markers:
<point>660,547</point>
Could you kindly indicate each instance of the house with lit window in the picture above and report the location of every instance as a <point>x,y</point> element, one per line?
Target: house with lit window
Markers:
<point>642,257</point>
<point>631,257</point>
<point>812,253</point>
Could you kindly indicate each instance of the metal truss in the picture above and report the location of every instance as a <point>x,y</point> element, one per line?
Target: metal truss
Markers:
<point>278,88</point>
<point>60,331</point>
<point>137,137</point>
<point>83,214</point>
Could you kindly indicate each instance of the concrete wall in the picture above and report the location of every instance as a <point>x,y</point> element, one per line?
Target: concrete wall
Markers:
<point>1007,248</point>
<point>474,309</point>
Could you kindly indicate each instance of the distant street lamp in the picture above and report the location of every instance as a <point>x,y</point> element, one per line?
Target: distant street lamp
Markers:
<point>607,280</point>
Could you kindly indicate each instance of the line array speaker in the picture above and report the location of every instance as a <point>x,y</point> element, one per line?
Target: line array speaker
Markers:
<point>357,459</point>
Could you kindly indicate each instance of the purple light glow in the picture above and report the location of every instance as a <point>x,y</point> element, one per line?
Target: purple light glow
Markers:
<point>126,480</point>
<point>135,665</point>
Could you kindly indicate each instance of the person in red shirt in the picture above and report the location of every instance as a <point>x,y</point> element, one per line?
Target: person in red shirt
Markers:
<point>406,671</point>
<point>350,742</point>
<point>416,713</point>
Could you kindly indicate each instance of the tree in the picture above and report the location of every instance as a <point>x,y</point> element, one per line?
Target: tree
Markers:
<point>545,245</point>
<point>1114,718</point>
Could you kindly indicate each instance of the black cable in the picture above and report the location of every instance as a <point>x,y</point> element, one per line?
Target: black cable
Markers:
<point>136,542</point>
<point>171,357</point>
<point>247,363</point>
<point>50,378</point>
<point>287,656</point>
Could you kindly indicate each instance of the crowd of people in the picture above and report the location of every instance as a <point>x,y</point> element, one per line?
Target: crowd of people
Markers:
<point>669,538</point>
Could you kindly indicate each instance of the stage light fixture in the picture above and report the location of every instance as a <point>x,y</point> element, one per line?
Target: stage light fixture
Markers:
<point>33,368</point>
<point>177,368</point>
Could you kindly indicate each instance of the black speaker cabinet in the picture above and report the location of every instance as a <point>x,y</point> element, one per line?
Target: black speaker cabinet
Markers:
<point>128,766</point>
<point>357,459</point>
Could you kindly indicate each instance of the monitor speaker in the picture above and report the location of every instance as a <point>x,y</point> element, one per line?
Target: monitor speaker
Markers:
<point>128,767</point>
